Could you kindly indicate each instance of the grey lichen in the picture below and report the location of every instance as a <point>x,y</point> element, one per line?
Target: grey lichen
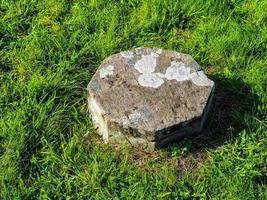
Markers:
<point>106,71</point>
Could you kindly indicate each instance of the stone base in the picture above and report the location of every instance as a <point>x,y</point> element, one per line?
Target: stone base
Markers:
<point>114,133</point>
<point>149,97</point>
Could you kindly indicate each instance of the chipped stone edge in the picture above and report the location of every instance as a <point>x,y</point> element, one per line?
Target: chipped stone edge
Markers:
<point>96,113</point>
<point>97,116</point>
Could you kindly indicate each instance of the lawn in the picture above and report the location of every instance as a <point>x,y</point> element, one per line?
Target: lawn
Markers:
<point>50,49</point>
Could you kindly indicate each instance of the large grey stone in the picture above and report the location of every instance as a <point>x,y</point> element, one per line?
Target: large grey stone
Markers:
<point>149,97</point>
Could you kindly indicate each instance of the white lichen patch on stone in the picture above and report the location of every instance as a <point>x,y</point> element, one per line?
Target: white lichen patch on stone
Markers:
<point>127,54</point>
<point>177,71</point>
<point>159,51</point>
<point>106,71</point>
<point>97,117</point>
<point>155,55</point>
<point>124,121</point>
<point>160,75</point>
<point>200,79</point>
<point>147,64</point>
<point>137,116</point>
<point>150,80</point>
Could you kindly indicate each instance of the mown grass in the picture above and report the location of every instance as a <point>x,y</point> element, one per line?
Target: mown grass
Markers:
<point>50,49</point>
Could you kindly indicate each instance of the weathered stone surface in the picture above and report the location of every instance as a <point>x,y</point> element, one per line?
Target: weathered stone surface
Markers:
<point>149,96</point>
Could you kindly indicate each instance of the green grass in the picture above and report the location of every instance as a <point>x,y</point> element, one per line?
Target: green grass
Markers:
<point>50,49</point>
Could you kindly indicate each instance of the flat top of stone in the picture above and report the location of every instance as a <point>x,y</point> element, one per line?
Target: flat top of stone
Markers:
<point>150,89</point>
